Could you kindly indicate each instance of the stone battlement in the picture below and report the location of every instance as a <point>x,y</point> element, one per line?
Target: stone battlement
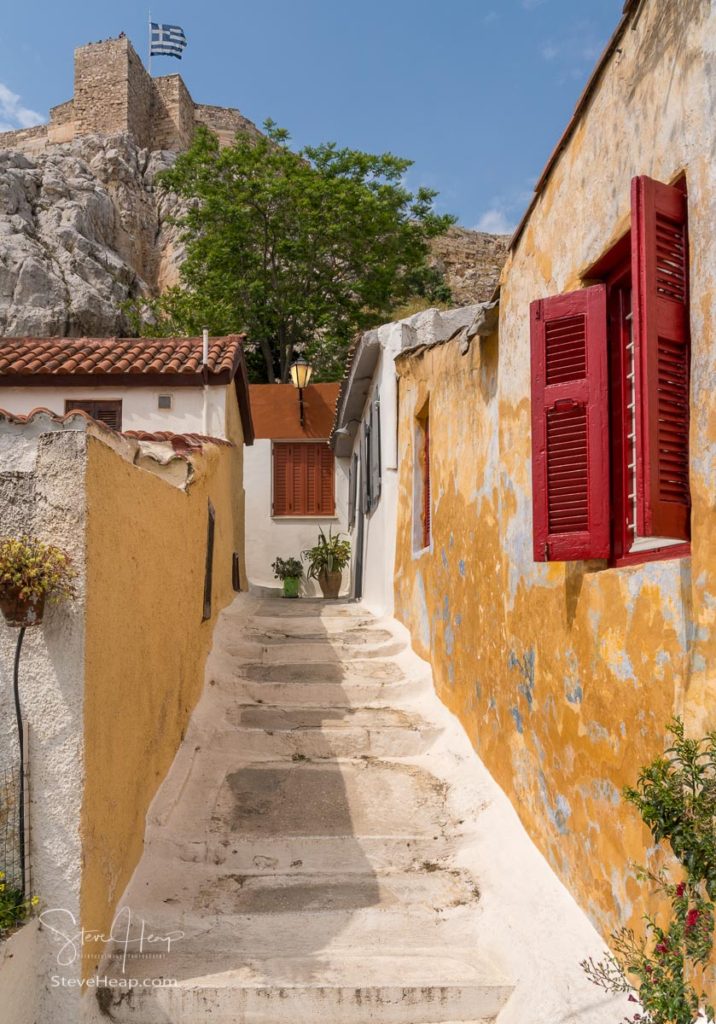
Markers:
<point>114,93</point>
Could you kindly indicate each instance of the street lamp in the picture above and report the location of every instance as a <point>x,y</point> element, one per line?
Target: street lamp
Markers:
<point>301,371</point>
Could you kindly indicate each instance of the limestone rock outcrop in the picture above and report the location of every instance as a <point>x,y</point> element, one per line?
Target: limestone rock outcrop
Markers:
<point>82,229</point>
<point>471,262</point>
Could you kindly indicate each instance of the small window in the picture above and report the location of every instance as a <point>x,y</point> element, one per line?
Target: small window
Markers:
<point>422,492</point>
<point>209,566</point>
<point>106,411</point>
<point>303,479</point>
<point>165,401</point>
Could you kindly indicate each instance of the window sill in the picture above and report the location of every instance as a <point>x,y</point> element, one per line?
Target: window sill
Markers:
<point>657,555</point>
<point>332,517</point>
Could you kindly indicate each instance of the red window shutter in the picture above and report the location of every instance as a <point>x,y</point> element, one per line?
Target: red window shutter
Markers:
<point>426,485</point>
<point>660,288</point>
<point>570,426</point>
<point>282,470</point>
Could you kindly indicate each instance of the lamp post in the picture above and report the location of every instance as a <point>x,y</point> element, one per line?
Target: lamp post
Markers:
<point>301,371</point>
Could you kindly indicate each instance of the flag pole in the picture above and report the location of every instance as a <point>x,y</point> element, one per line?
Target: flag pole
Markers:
<point>149,25</point>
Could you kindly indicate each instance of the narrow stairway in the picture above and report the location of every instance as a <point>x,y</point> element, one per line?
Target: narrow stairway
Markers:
<point>307,851</point>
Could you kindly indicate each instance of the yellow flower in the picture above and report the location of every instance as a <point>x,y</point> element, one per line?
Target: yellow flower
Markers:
<point>35,900</point>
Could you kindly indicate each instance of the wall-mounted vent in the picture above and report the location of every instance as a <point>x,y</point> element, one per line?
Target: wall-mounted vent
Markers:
<point>165,402</point>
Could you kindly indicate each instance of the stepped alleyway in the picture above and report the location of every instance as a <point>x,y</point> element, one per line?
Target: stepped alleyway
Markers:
<point>333,850</point>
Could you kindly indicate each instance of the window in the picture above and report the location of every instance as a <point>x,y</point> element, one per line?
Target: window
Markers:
<point>422,498</point>
<point>372,463</point>
<point>165,401</point>
<point>209,565</point>
<point>353,491</point>
<point>610,397</point>
<point>303,479</point>
<point>106,411</point>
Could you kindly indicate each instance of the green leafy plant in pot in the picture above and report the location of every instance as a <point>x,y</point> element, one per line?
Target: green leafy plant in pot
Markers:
<point>290,572</point>
<point>326,561</point>
<point>30,573</point>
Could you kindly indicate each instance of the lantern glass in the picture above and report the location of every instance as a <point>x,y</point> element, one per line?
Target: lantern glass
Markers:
<point>301,372</point>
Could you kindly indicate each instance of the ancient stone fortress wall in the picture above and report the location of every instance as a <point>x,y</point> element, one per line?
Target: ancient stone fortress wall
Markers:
<point>114,93</point>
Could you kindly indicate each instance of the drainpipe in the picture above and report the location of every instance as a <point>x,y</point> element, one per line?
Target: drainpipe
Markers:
<point>205,374</point>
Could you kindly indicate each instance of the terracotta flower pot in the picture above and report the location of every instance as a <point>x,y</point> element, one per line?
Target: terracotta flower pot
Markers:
<point>330,583</point>
<point>22,611</point>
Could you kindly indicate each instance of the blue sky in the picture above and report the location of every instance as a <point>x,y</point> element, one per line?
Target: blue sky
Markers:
<point>476,92</point>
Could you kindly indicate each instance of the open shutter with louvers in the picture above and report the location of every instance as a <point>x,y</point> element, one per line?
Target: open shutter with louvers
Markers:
<point>427,497</point>
<point>374,468</point>
<point>281,480</point>
<point>352,492</point>
<point>570,426</point>
<point>660,291</point>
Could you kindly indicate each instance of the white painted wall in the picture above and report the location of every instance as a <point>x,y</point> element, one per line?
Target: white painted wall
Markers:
<point>139,406</point>
<point>42,492</point>
<point>268,536</point>
<point>380,525</point>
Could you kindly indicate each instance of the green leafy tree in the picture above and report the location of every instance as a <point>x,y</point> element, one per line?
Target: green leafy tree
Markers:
<point>299,249</point>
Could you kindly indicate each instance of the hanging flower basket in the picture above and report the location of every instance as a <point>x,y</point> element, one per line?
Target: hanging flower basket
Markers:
<point>19,611</point>
<point>30,572</point>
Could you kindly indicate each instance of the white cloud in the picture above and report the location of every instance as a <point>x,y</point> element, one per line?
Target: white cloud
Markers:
<point>495,222</point>
<point>490,18</point>
<point>13,114</point>
<point>550,51</point>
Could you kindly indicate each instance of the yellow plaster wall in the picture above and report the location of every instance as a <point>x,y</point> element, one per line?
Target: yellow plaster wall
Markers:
<point>564,675</point>
<point>146,645</point>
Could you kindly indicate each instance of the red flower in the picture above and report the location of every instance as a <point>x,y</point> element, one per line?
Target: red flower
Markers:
<point>691,919</point>
<point>649,969</point>
<point>662,947</point>
<point>681,888</point>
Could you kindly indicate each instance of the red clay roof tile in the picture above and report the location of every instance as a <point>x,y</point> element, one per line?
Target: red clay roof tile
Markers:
<point>26,357</point>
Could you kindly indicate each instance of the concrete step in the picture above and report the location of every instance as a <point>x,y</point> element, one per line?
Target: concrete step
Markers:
<point>277,651</point>
<point>273,732</point>
<point>360,987</point>
<point>307,855</point>
<point>362,694</point>
<point>310,627</point>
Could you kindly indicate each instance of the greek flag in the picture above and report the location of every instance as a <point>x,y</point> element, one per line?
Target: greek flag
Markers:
<point>167,41</point>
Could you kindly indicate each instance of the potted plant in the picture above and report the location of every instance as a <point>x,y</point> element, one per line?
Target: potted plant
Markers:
<point>326,561</point>
<point>30,572</point>
<point>289,571</point>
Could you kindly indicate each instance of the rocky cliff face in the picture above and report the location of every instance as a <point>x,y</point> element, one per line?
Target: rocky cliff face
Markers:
<point>82,229</point>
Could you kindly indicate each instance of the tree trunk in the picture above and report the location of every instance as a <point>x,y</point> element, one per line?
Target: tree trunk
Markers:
<point>268,360</point>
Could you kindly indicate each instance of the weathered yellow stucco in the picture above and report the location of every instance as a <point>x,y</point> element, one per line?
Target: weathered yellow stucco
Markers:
<point>565,674</point>
<point>146,644</point>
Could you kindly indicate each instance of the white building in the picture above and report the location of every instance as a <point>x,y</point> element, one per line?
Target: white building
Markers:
<point>152,385</point>
<point>293,482</point>
<point>365,436</point>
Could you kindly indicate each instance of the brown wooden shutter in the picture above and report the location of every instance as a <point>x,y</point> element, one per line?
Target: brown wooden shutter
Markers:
<point>107,411</point>
<point>570,426</point>
<point>327,505</point>
<point>303,479</point>
<point>281,478</point>
<point>660,288</point>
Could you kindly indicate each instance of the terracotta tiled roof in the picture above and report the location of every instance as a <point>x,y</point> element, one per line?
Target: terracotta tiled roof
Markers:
<point>30,357</point>
<point>181,443</point>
